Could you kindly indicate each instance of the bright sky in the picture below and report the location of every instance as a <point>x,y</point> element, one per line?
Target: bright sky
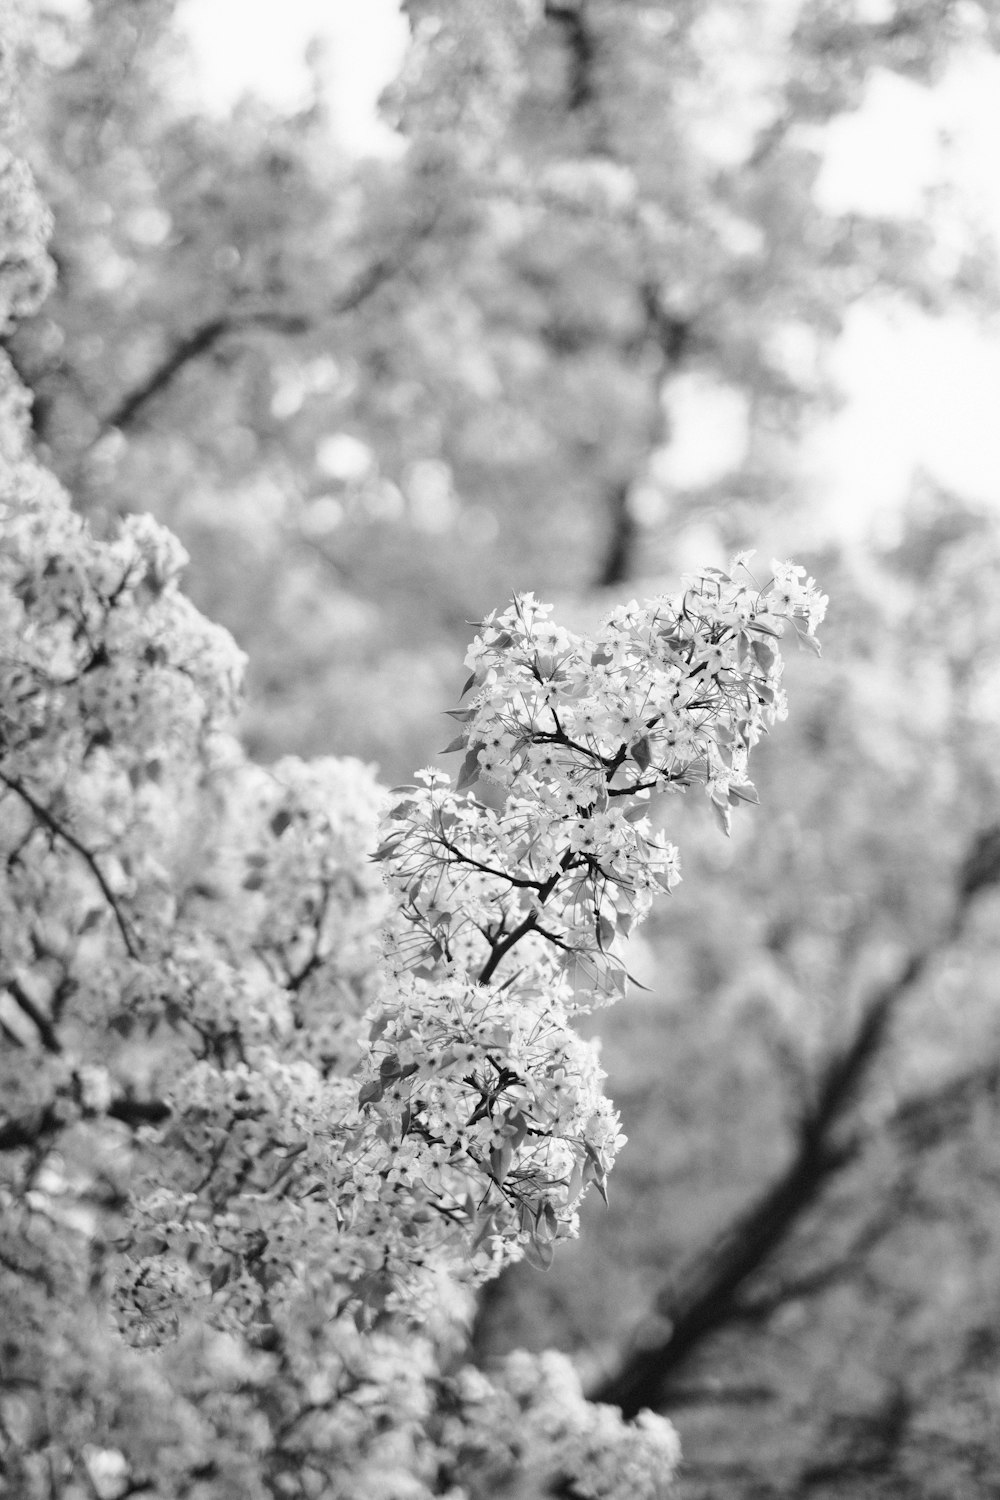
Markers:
<point>921,393</point>
<point>261,45</point>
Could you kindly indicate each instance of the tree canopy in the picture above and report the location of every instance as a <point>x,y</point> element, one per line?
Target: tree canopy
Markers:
<point>372,398</point>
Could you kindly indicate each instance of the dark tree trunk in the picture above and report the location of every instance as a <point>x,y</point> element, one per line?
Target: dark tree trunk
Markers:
<point>618,562</point>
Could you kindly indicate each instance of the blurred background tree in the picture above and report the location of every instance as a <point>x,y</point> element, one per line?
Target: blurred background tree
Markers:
<point>585,318</point>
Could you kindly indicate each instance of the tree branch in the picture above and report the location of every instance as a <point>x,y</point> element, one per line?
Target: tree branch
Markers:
<point>136,1112</point>
<point>703,1296</point>
<point>207,335</point>
<point>41,1022</point>
<point>32,1128</point>
<point>569,15</point>
<point>55,827</point>
<point>670,338</point>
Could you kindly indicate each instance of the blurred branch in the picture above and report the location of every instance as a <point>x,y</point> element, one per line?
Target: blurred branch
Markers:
<point>618,559</point>
<point>759,1309</point>
<point>197,343</point>
<point>36,1125</point>
<point>669,338</point>
<point>866,1442</point>
<point>344,573</point>
<point>136,1112</point>
<point>41,1022</point>
<point>203,339</point>
<point>703,1295</point>
<point>981,867</point>
<point>30,1129</point>
<point>571,17</point>
<point>927,1118</point>
<point>920,1123</point>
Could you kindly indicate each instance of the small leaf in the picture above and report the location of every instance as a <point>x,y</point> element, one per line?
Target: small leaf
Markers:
<point>764,655</point>
<point>458,743</point>
<point>641,753</point>
<point>539,1254</point>
<point>486,1231</point>
<point>469,774</point>
<point>220,1276</point>
<point>469,682</point>
<point>723,819</point>
<point>371,1092</point>
<point>500,1160</point>
<point>616,981</point>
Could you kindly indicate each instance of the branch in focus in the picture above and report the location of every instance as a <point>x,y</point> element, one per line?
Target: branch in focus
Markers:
<point>45,817</point>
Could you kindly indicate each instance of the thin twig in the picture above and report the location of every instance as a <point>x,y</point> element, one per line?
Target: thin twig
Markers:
<point>35,1014</point>
<point>44,816</point>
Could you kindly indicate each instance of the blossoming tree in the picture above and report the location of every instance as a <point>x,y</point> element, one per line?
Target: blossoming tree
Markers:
<point>268,1120</point>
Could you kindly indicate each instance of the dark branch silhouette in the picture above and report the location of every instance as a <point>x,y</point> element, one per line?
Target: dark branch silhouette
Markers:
<point>46,818</point>
<point>30,1129</point>
<point>41,1022</point>
<point>569,15</point>
<point>704,1294</point>
<point>36,1126</point>
<point>201,341</point>
<point>670,337</point>
<point>291,322</point>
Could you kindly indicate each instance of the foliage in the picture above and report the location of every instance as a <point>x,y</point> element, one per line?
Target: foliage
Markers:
<point>853,938</point>
<point>281,1215</point>
<point>366,395</point>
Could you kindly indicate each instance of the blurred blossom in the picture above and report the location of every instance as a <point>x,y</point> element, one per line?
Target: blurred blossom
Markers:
<point>344,457</point>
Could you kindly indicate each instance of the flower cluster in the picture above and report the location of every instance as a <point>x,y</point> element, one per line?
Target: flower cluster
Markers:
<point>219,921</point>
<point>532,1415</point>
<point>281,1146</point>
<point>508,917</point>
